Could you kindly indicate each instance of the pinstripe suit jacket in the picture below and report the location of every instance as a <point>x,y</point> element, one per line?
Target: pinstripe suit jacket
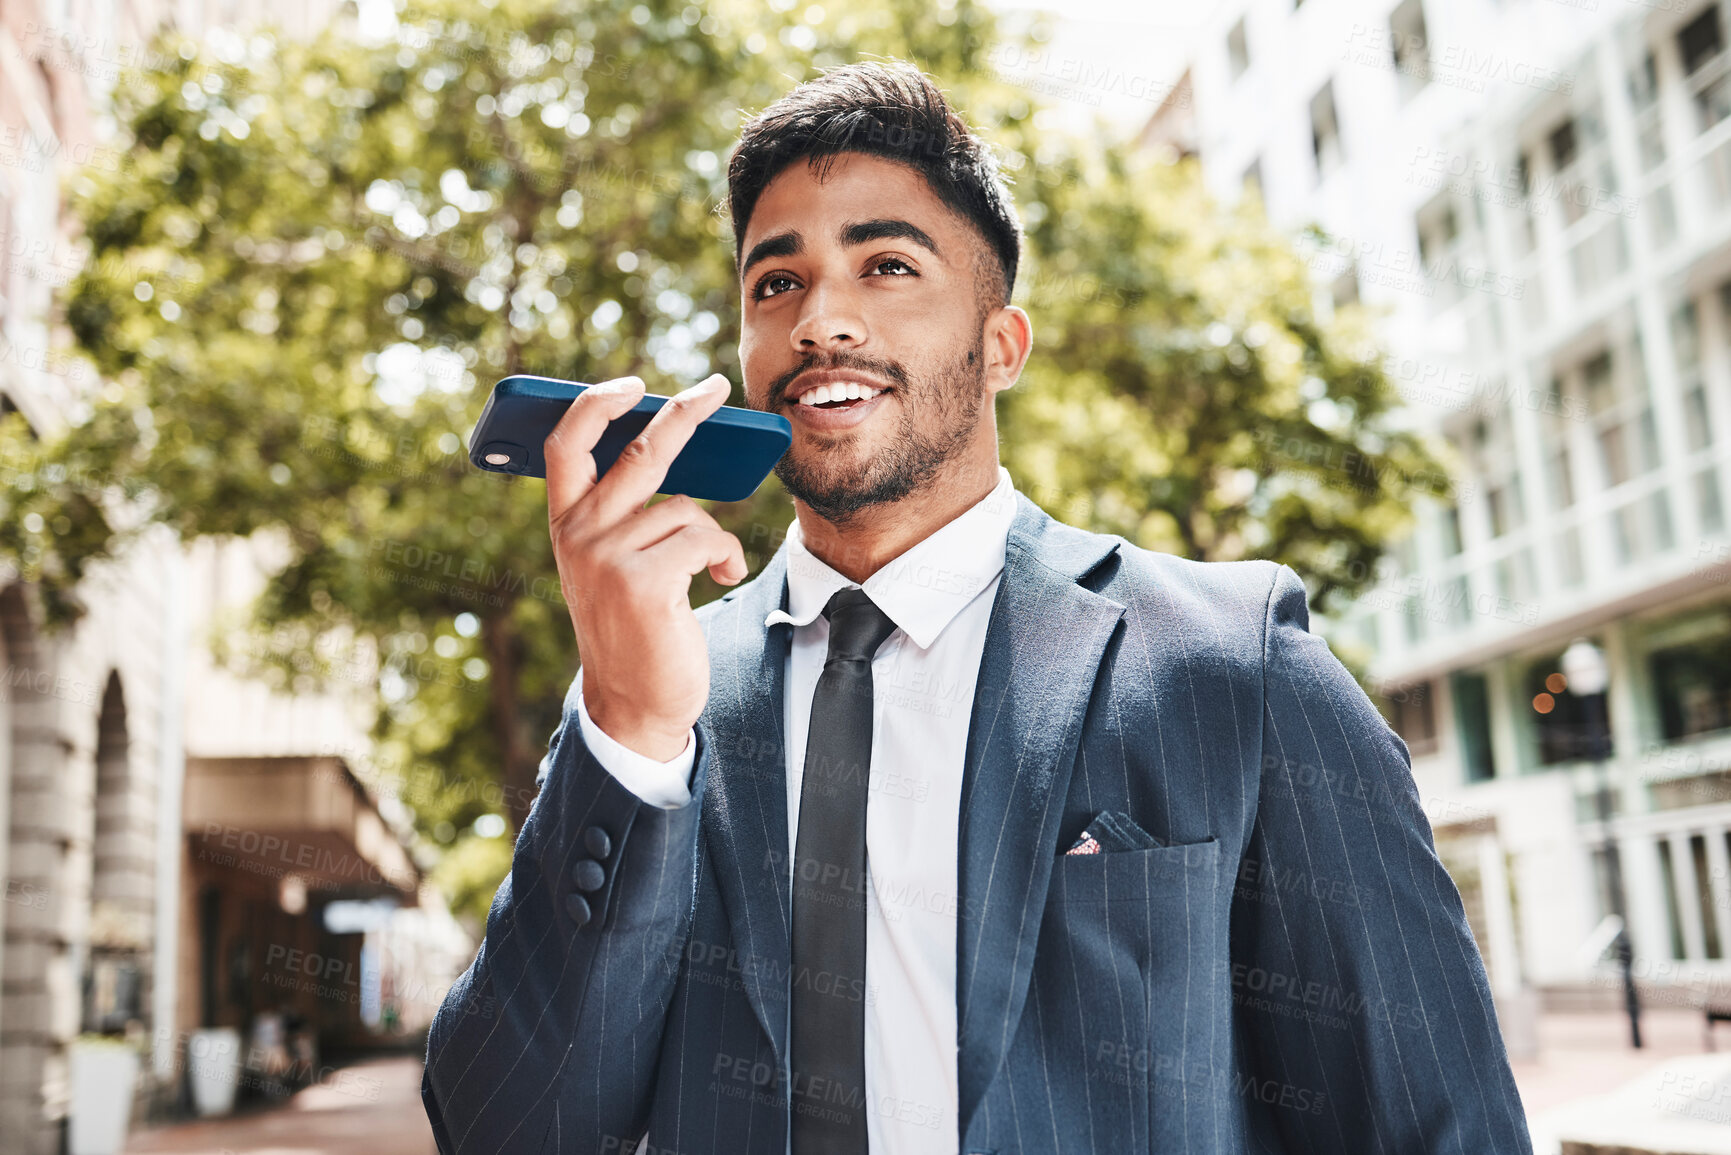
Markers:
<point>1291,972</point>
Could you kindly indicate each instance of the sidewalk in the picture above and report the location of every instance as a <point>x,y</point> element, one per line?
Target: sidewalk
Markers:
<point>374,1108</point>
<point>371,1108</point>
<point>1585,1057</point>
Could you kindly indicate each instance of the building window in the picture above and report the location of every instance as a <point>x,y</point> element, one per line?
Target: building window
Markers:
<point>1625,435</point>
<point>1583,175</point>
<point>1412,616</point>
<point>1686,337</point>
<point>1473,716</point>
<point>1644,83</point>
<point>1614,387</point>
<point>1559,718</point>
<point>1692,682</point>
<point>1701,44</point>
<point>1707,505</point>
<point>1438,228</point>
<point>1491,454</point>
<point>1526,236</point>
<point>1238,50</point>
<point>1649,127</point>
<point>1571,562</point>
<point>1563,145</point>
<point>1410,46</point>
<point>1505,506</point>
<point>1700,40</point>
<point>1642,528</point>
<point>1411,714</point>
<point>1562,483</point>
<point>1451,530</point>
<point>1448,249</point>
<point>1514,574</point>
<point>1325,131</point>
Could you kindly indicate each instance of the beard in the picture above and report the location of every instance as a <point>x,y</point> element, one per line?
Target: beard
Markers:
<point>938,417</point>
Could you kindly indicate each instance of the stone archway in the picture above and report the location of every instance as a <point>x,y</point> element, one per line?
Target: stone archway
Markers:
<point>116,964</point>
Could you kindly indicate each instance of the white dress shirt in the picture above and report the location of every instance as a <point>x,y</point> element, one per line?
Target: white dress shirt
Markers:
<point>939,594</point>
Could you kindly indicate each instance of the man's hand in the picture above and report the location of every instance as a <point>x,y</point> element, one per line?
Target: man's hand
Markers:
<point>626,570</point>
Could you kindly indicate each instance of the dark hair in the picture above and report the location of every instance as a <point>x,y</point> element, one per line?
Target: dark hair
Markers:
<point>889,110</point>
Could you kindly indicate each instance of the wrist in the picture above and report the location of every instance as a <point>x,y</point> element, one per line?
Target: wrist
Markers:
<point>659,741</point>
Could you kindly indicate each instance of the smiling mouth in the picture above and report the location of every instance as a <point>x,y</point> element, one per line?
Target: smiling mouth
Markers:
<point>842,395</point>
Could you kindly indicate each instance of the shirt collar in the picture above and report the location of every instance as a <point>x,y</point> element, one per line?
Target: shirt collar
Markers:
<point>925,588</point>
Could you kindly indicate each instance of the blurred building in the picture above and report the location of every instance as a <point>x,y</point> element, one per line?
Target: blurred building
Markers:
<point>1537,195</point>
<point>180,849</point>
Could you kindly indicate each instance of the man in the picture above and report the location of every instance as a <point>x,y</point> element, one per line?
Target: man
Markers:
<point>957,829</point>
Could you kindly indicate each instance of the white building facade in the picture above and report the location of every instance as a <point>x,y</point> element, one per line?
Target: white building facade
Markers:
<point>1537,196</point>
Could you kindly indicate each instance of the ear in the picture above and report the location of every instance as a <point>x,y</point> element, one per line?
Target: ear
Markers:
<point>1007,339</point>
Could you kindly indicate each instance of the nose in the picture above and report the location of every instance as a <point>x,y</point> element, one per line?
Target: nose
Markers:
<point>829,320</point>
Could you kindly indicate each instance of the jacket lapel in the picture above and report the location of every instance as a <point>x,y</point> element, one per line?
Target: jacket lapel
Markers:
<point>745,808</point>
<point>1043,650</point>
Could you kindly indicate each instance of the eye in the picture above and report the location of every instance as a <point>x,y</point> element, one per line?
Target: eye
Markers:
<point>765,286</point>
<point>898,267</point>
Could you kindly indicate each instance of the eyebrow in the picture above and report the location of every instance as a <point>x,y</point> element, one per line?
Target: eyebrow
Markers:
<point>864,232</point>
<point>791,243</point>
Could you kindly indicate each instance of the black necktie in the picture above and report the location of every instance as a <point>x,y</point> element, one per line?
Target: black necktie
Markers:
<point>828,1099</point>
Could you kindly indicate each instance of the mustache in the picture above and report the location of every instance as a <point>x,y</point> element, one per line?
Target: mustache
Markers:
<point>839,359</point>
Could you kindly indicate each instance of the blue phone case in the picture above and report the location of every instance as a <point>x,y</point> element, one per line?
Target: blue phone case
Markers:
<point>727,458</point>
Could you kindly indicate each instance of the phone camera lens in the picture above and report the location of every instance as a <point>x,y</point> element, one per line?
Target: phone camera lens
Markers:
<point>498,459</point>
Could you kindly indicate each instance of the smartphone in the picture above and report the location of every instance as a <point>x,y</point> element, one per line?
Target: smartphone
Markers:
<point>728,456</point>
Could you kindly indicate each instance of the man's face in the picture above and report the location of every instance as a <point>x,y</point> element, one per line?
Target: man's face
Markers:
<point>865,281</point>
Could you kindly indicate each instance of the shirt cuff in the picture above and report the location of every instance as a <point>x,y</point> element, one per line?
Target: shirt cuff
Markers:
<point>663,784</point>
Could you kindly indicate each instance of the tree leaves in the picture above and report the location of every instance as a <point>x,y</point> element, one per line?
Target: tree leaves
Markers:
<point>316,258</point>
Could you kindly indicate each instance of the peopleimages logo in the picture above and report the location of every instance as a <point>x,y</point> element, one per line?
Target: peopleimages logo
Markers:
<point>1398,268</point>
<point>1454,65</point>
<point>299,855</point>
<point>1508,185</point>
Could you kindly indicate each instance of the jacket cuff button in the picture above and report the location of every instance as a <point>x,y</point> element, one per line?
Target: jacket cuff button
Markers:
<point>588,875</point>
<point>578,908</point>
<point>596,842</point>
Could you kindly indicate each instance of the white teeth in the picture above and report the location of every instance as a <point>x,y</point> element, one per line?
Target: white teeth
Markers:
<point>841,391</point>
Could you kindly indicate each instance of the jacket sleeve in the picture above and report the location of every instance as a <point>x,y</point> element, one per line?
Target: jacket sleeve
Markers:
<point>1358,990</point>
<point>549,1040</point>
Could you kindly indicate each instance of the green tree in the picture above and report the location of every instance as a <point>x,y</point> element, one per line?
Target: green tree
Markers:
<point>316,258</point>
<point>1186,393</point>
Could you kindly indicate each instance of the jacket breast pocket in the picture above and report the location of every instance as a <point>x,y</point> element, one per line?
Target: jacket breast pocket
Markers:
<point>1133,876</point>
<point>1129,942</point>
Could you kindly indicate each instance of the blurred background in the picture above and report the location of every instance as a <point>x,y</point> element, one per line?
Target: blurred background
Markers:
<point>1430,302</point>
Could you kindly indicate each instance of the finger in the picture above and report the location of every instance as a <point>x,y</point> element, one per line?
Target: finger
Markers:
<point>698,547</point>
<point>570,463</point>
<point>653,523</point>
<point>643,464</point>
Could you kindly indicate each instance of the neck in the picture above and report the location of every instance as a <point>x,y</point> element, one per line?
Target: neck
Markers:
<point>874,537</point>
